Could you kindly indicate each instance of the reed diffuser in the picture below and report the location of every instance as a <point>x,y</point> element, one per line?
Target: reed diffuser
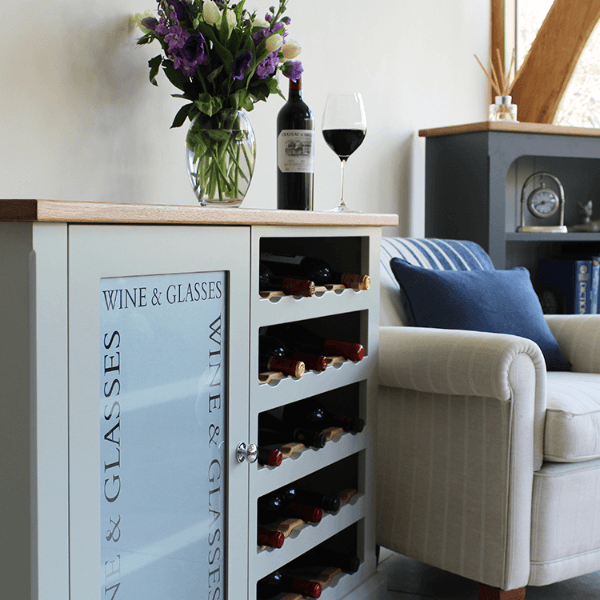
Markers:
<point>503,109</point>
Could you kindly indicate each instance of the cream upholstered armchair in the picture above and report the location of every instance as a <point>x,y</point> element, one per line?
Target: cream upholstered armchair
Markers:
<point>488,465</point>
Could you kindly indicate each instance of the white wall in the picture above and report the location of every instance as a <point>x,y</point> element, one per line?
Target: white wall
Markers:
<point>80,121</point>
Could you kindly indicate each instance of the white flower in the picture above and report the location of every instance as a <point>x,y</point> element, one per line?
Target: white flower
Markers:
<point>291,49</point>
<point>231,19</point>
<point>274,42</point>
<point>211,12</point>
<point>258,22</point>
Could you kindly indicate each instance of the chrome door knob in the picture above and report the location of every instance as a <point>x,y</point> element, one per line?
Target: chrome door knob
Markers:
<point>249,452</point>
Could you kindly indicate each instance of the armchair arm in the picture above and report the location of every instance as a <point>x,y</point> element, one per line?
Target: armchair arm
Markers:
<point>578,337</point>
<point>455,362</point>
<point>459,435</point>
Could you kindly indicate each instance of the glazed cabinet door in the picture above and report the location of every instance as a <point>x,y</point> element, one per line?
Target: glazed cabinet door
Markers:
<point>158,403</point>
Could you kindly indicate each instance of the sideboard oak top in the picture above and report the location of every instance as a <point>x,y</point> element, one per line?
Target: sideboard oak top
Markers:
<point>59,211</point>
<point>511,127</point>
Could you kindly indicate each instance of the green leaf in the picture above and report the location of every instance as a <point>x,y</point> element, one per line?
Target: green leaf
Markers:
<point>154,64</point>
<point>182,115</point>
<point>220,135</point>
<point>224,54</point>
<point>224,30</point>
<point>177,78</point>
<point>209,105</point>
<point>145,39</point>
<point>273,85</point>
<point>211,77</point>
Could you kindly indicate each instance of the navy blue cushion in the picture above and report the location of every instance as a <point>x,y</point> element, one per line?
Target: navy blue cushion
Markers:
<point>492,301</point>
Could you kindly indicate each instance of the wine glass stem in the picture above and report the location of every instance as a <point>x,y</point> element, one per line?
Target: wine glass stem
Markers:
<point>342,185</point>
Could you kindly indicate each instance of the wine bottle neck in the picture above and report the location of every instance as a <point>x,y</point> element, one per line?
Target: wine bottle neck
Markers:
<point>295,90</point>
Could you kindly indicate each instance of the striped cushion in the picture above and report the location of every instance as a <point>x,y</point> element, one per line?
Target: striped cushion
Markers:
<point>430,253</point>
<point>572,417</point>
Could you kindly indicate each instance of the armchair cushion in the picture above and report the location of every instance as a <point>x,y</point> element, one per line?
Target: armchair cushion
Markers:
<point>481,300</point>
<point>572,432</point>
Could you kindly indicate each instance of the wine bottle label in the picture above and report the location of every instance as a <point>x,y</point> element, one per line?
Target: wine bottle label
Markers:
<point>296,151</point>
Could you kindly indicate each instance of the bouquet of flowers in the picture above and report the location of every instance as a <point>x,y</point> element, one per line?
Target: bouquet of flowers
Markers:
<point>222,59</point>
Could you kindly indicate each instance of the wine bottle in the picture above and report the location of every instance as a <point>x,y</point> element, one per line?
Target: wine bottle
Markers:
<point>295,152</point>
<point>272,357</point>
<point>269,282</point>
<point>277,505</point>
<point>329,502</point>
<point>314,362</point>
<point>272,431</point>
<point>316,344</point>
<point>325,557</point>
<point>270,586</point>
<point>266,537</point>
<point>315,269</point>
<point>271,457</point>
<point>279,347</point>
<point>311,414</point>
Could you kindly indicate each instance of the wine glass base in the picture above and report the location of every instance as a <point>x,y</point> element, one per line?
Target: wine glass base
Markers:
<point>342,208</point>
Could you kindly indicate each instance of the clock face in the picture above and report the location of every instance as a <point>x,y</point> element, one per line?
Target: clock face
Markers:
<point>543,203</point>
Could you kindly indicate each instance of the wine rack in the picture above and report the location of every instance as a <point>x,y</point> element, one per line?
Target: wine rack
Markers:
<point>346,386</point>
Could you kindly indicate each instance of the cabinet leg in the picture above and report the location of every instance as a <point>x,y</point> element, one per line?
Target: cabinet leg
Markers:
<point>489,593</point>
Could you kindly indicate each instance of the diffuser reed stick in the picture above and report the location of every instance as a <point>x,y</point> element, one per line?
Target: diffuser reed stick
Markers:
<point>501,81</point>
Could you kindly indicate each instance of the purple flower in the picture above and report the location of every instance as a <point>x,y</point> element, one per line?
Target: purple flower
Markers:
<point>163,27</point>
<point>259,36</point>
<point>176,38</point>
<point>267,66</point>
<point>179,7</point>
<point>191,55</point>
<point>150,23</point>
<point>240,64</point>
<point>292,69</point>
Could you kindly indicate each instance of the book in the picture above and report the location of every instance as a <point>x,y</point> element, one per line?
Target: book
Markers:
<point>595,283</point>
<point>570,280</point>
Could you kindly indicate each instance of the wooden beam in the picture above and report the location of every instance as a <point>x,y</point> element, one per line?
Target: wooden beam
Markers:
<point>498,32</point>
<point>548,67</point>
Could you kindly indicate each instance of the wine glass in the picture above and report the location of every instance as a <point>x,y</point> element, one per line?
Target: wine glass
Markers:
<point>344,129</point>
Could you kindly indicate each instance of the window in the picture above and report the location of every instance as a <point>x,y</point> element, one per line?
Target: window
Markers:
<point>580,103</point>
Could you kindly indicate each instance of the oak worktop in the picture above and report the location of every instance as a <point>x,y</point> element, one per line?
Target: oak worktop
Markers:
<point>59,211</point>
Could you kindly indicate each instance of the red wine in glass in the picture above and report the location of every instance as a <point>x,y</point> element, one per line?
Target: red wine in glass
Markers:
<point>344,141</point>
<point>344,129</point>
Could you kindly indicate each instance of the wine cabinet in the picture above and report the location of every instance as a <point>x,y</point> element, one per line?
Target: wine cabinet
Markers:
<point>132,395</point>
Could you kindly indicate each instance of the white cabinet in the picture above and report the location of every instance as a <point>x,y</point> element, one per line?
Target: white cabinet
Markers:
<point>129,362</point>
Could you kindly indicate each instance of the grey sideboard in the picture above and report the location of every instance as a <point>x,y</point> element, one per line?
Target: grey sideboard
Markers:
<point>474,177</point>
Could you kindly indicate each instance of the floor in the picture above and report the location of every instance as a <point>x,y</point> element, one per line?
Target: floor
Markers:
<point>411,580</point>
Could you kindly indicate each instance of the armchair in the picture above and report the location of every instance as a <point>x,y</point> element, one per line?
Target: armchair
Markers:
<point>488,466</point>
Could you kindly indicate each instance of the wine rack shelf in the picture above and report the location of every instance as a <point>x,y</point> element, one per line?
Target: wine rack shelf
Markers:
<point>307,461</point>
<point>140,326</point>
<point>305,537</point>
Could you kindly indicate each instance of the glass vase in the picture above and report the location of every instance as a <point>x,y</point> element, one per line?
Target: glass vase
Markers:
<point>503,110</point>
<point>221,152</point>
